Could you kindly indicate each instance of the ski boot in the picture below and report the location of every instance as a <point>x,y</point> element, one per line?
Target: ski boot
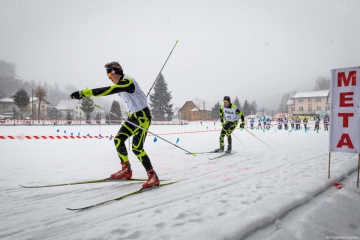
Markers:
<point>124,173</point>
<point>221,149</point>
<point>153,179</point>
<point>228,149</point>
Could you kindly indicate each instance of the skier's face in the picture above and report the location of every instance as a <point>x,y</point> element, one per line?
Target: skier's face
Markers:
<point>226,103</point>
<point>114,77</point>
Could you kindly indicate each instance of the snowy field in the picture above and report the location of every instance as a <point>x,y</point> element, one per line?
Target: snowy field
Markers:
<point>256,193</point>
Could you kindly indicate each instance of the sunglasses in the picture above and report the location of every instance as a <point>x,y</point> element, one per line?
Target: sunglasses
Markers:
<point>225,101</point>
<point>110,74</point>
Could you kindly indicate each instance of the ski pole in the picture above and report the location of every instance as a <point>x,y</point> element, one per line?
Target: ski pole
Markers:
<point>258,139</point>
<point>238,140</point>
<point>162,68</point>
<point>137,126</point>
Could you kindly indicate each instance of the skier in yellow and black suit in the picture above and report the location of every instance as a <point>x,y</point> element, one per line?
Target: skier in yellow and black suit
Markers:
<point>130,91</point>
<point>229,117</point>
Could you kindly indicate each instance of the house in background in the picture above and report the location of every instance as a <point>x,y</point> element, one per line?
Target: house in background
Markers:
<point>73,106</point>
<point>7,106</point>
<point>45,106</point>
<point>309,103</point>
<point>196,109</point>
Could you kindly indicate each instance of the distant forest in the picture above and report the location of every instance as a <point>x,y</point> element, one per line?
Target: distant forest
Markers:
<point>10,83</point>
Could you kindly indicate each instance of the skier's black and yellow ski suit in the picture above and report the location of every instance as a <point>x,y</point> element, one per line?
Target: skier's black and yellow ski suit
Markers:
<point>229,117</point>
<point>139,114</point>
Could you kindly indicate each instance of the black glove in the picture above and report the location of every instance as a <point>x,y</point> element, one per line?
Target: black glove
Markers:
<point>76,95</point>
<point>242,125</point>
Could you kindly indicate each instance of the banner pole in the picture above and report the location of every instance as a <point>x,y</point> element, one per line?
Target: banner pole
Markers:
<point>357,185</point>
<point>329,165</point>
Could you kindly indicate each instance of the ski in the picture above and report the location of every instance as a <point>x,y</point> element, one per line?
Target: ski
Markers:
<point>202,152</point>
<point>91,181</point>
<point>222,155</point>
<point>121,197</point>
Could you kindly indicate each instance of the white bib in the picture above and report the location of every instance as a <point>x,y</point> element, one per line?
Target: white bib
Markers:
<point>135,101</point>
<point>230,114</point>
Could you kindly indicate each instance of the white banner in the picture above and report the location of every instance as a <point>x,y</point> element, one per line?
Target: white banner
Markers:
<point>345,110</point>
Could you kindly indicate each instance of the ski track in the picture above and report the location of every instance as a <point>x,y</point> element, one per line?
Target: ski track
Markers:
<point>222,187</point>
<point>272,171</point>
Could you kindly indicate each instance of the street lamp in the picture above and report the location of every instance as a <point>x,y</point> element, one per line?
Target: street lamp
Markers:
<point>32,103</point>
<point>14,115</point>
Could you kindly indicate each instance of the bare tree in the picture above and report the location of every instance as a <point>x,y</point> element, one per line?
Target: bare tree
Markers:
<point>40,93</point>
<point>322,83</point>
<point>283,103</point>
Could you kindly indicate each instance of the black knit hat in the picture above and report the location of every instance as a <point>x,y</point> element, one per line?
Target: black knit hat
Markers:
<point>227,98</point>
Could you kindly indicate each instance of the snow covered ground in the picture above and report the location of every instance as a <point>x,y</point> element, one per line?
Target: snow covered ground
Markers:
<point>256,193</point>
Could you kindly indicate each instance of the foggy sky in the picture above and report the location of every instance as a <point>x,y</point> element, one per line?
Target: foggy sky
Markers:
<point>255,50</point>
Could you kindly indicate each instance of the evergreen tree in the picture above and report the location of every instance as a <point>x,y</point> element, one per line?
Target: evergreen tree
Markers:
<point>21,99</point>
<point>253,107</point>
<point>52,113</point>
<point>160,101</point>
<point>98,118</point>
<point>7,69</point>
<point>115,109</point>
<point>215,111</point>
<point>246,110</point>
<point>237,103</point>
<point>107,118</point>
<point>87,106</point>
<point>9,84</point>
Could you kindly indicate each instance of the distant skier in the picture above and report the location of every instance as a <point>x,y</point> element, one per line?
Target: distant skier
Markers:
<point>285,121</point>
<point>297,123</point>
<point>317,122</point>
<point>259,123</point>
<point>252,123</point>
<point>265,122</point>
<point>268,123</point>
<point>292,121</point>
<point>229,117</point>
<point>305,121</point>
<point>279,122</point>
<point>326,123</point>
<point>129,90</point>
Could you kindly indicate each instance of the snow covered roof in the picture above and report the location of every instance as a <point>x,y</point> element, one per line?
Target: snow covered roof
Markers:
<point>322,93</point>
<point>200,104</point>
<point>67,104</point>
<point>290,101</point>
<point>11,100</point>
<point>7,100</point>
